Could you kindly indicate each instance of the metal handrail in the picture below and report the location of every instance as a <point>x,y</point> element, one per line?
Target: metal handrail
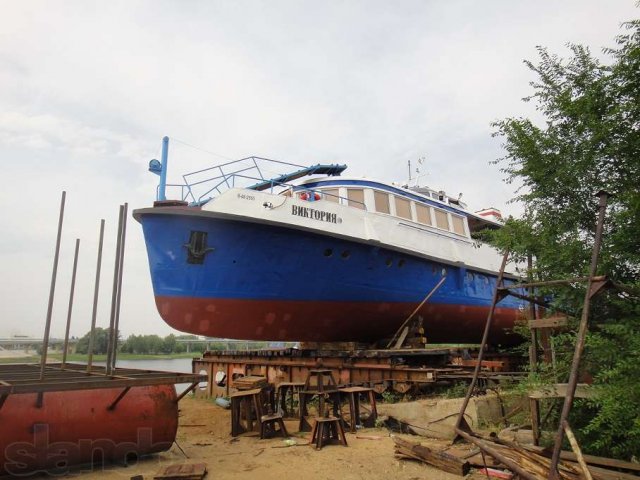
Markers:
<point>226,180</point>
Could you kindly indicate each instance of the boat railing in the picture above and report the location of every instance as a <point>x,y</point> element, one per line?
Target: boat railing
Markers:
<point>202,185</point>
<point>185,193</point>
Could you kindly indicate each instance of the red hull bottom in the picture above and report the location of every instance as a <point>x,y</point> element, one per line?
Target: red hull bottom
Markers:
<point>330,321</point>
<point>76,427</point>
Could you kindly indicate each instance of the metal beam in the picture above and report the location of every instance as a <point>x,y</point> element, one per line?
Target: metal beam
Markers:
<point>52,289</point>
<point>118,398</point>
<point>70,307</point>
<point>96,290</point>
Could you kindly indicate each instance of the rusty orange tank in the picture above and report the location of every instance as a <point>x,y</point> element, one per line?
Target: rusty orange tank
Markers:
<point>79,427</point>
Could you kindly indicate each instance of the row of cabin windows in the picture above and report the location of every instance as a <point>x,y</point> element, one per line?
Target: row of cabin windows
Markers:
<point>355,198</point>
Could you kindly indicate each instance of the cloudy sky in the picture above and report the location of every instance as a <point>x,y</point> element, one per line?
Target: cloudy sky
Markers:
<point>88,89</point>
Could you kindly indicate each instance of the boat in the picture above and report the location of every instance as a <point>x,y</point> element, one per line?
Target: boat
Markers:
<point>304,253</point>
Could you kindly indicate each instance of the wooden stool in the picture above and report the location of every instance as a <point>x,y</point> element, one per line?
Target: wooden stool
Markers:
<point>353,395</point>
<point>268,425</point>
<point>324,387</point>
<point>286,392</point>
<point>320,376</point>
<point>245,405</point>
<point>326,430</point>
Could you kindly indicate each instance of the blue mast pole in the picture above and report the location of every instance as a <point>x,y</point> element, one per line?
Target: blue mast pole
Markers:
<point>163,171</point>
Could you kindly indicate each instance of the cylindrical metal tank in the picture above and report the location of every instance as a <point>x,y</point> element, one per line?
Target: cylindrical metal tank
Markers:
<point>79,427</point>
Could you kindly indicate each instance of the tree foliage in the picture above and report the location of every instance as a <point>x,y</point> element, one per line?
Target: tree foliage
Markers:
<point>152,344</point>
<point>589,140</point>
<point>100,342</point>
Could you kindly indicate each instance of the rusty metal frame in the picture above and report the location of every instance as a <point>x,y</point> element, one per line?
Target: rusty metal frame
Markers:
<point>187,391</point>
<point>379,369</point>
<point>594,286</point>
<point>25,378</point>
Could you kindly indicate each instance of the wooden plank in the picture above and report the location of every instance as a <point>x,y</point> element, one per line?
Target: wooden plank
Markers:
<point>576,449</point>
<point>195,471</point>
<point>534,407</point>
<point>559,390</point>
<point>604,474</point>
<point>550,322</point>
<point>590,459</point>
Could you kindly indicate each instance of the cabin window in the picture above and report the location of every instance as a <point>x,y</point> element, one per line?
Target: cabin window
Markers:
<point>441,219</point>
<point>458,224</point>
<point>403,207</point>
<point>331,195</point>
<point>423,213</point>
<point>382,202</point>
<point>356,197</point>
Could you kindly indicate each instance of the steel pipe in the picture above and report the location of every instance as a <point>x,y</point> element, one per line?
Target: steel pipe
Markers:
<point>52,290</point>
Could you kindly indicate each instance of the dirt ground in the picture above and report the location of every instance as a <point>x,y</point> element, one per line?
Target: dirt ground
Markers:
<point>204,436</point>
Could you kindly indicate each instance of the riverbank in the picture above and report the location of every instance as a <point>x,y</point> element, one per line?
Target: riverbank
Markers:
<point>204,437</point>
<point>75,357</point>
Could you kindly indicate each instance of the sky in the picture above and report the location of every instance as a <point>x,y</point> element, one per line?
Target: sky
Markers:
<point>88,89</point>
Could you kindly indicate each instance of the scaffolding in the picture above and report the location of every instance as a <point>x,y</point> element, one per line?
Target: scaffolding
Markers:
<point>594,285</point>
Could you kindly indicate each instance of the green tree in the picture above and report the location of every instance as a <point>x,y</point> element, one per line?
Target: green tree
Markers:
<point>169,344</point>
<point>100,342</point>
<point>589,141</point>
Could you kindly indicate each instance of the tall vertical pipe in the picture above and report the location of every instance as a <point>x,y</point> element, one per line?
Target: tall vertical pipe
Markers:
<point>582,334</point>
<point>70,308</point>
<point>114,291</point>
<point>52,290</point>
<point>96,290</point>
<point>485,337</point>
<point>117,324</point>
<point>163,173</point>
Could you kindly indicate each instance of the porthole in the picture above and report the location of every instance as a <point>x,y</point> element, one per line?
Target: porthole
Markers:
<point>401,263</point>
<point>389,262</point>
<point>346,254</point>
<point>328,252</point>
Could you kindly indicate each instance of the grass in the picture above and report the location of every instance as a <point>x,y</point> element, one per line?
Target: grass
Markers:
<point>77,357</point>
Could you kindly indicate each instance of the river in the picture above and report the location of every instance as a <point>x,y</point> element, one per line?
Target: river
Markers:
<point>181,365</point>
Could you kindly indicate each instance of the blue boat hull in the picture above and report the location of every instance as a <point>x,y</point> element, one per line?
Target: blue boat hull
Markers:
<point>267,282</point>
